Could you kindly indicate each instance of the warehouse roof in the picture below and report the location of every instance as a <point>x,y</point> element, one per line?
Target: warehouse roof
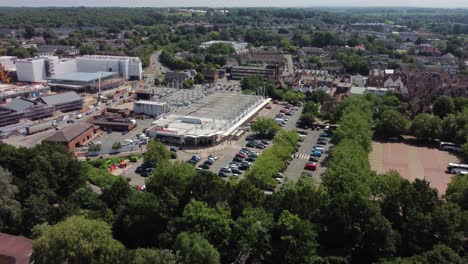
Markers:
<point>82,76</point>
<point>61,98</point>
<point>14,249</point>
<point>19,104</point>
<point>70,132</point>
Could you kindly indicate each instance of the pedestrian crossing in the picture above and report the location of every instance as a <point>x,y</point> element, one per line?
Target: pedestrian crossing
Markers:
<point>301,156</point>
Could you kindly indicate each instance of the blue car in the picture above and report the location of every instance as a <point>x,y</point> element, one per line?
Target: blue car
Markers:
<point>324,135</point>
<point>173,149</point>
<point>316,153</point>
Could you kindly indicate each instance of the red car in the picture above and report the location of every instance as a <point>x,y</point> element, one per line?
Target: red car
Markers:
<point>283,111</point>
<point>240,155</point>
<point>310,166</point>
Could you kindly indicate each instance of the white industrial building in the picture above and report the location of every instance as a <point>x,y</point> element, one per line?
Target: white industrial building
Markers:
<point>127,67</point>
<point>150,108</point>
<point>42,68</point>
<point>31,70</point>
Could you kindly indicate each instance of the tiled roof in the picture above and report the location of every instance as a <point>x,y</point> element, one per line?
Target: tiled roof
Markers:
<point>70,132</point>
<point>15,249</point>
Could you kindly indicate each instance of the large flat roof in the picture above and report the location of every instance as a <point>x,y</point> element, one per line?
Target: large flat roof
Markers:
<point>83,76</point>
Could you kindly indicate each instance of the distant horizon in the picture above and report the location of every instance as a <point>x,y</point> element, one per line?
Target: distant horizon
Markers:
<point>448,4</point>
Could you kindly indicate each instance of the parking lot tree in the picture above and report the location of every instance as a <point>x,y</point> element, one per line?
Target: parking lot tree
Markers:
<point>265,127</point>
<point>155,153</point>
<point>76,240</point>
<point>293,97</point>
<point>443,106</point>
<point>149,255</point>
<point>116,146</point>
<point>252,235</point>
<point>214,223</point>
<point>311,107</point>
<point>193,248</point>
<point>304,198</point>
<point>426,126</point>
<point>391,124</point>
<point>142,220</point>
<point>210,188</point>
<point>170,181</point>
<point>317,96</point>
<point>457,191</point>
<point>10,214</point>
<point>117,194</point>
<point>245,195</point>
<point>296,241</point>
<point>307,119</point>
<point>355,125</point>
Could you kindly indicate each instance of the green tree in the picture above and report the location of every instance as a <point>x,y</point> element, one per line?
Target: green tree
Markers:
<point>426,126</point>
<point>392,124</point>
<point>220,48</point>
<point>154,256</point>
<point>311,107</point>
<point>213,223</point>
<point>156,152</point>
<point>195,249</point>
<point>443,106</point>
<point>307,119</point>
<point>118,193</point>
<point>265,127</point>
<point>293,97</point>
<point>76,240</point>
<point>297,239</point>
<point>457,191</point>
<point>29,32</point>
<point>116,146</point>
<point>253,234</point>
<point>10,209</point>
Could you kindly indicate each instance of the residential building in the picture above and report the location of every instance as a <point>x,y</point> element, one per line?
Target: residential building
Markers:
<point>269,72</point>
<point>55,50</point>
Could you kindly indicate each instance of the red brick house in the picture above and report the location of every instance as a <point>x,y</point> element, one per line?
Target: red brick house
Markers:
<point>73,136</point>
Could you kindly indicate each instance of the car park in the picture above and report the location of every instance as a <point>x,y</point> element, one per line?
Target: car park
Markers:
<point>312,166</point>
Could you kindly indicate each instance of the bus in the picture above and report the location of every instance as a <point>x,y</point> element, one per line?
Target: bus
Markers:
<point>449,146</point>
<point>455,168</point>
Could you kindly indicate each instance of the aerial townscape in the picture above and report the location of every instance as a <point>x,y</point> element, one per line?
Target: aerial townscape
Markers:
<point>239,135</point>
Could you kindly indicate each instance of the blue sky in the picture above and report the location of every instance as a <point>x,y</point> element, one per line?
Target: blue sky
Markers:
<point>236,3</point>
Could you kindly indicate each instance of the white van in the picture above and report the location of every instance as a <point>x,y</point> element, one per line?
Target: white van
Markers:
<point>128,142</point>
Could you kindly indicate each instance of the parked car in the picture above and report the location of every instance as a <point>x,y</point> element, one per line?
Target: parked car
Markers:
<point>139,170</point>
<point>251,159</point>
<point>223,174</point>
<point>260,146</point>
<point>279,180</point>
<point>302,132</point>
<point>316,153</point>
<point>320,148</point>
<point>244,167</point>
<point>251,144</point>
<point>322,135</point>
<point>248,151</point>
<point>312,166</point>
<point>237,159</point>
<point>234,164</point>
<point>192,161</point>
<point>241,155</point>
<point>264,142</point>
<point>208,162</point>
<point>246,163</point>
<point>236,171</point>
<point>250,138</point>
<point>203,167</point>
<point>314,159</point>
<point>196,157</point>
<point>144,174</point>
<point>289,113</point>
<point>212,157</point>
<point>253,155</point>
<point>226,169</point>
<point>125,132</point>
<point>173,149</point>
<point>280,175</point>
<point>268,107</point>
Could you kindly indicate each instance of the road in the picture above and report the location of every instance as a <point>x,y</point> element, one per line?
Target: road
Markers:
<point>156,65</point>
